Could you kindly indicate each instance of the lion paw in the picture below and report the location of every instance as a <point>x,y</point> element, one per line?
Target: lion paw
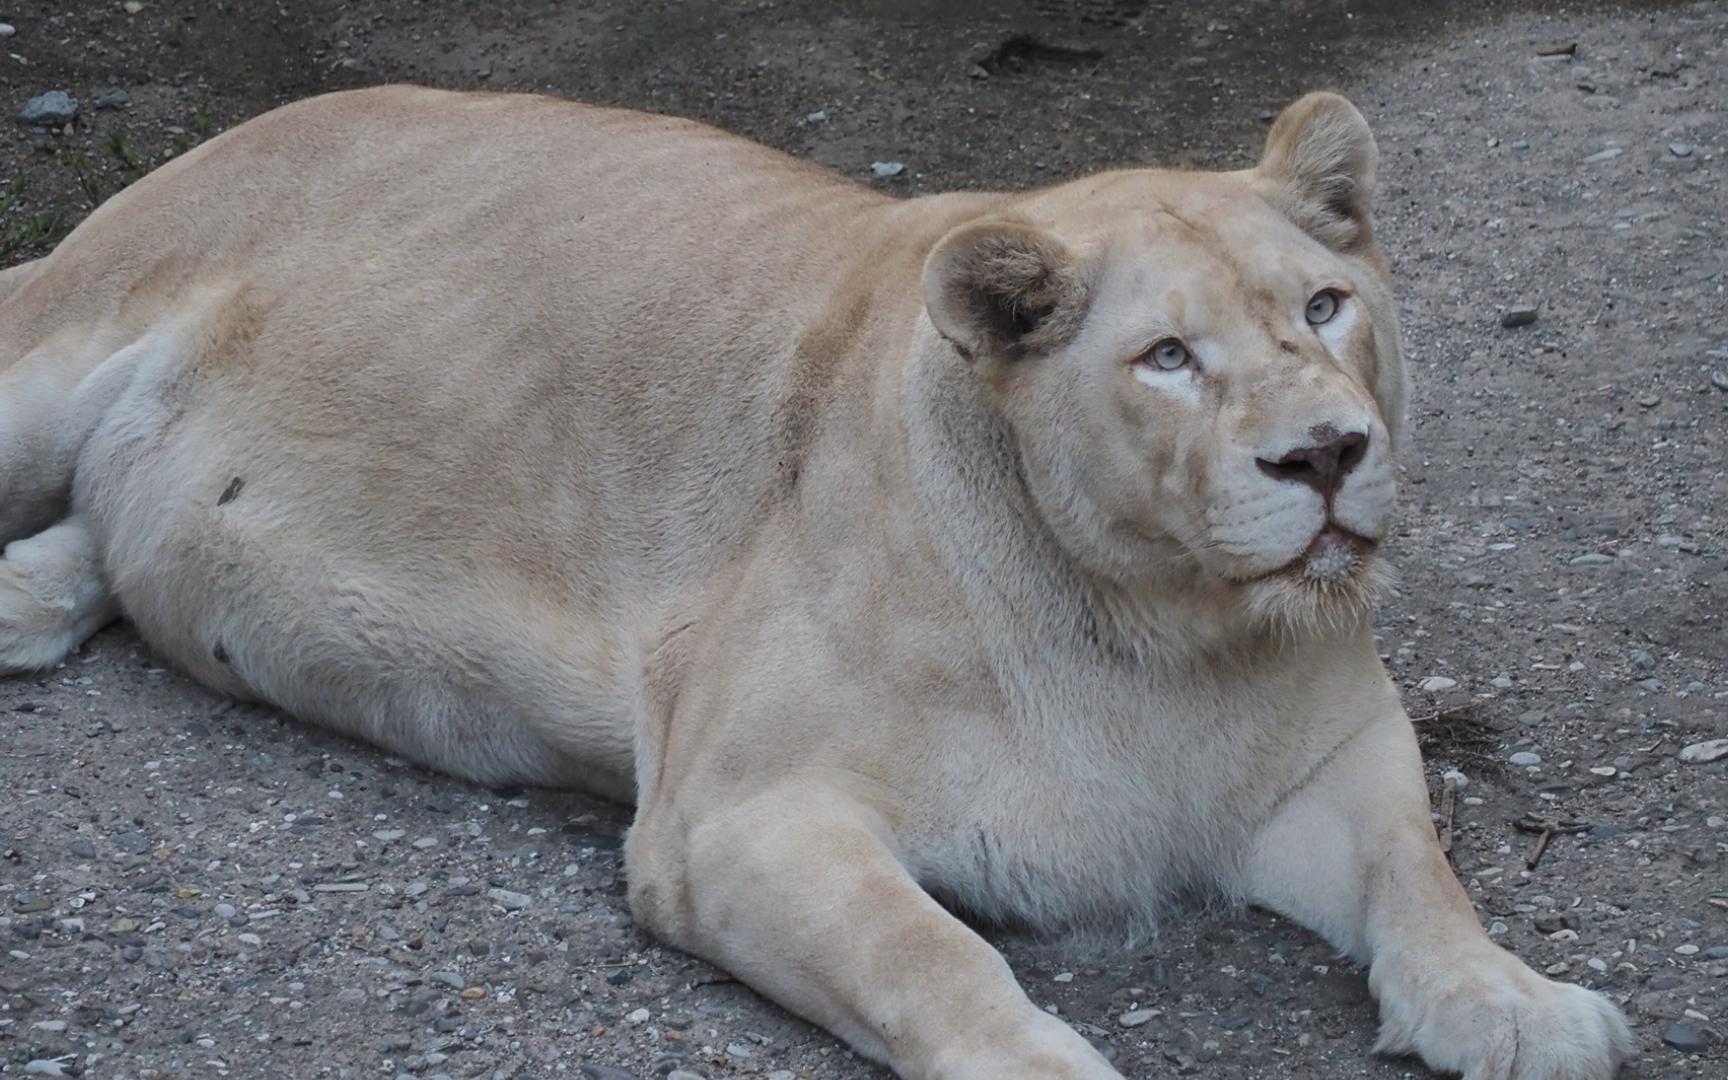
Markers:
<point>1498,1020</point>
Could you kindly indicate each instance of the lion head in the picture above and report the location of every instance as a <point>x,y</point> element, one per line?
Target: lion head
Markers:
<point>1202,370</point>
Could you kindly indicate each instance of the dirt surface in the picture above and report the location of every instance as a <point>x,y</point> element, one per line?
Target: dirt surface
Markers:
<point>195,889</point>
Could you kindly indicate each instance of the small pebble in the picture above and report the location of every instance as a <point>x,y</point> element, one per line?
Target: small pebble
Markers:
<point>1459,780</point>
<point>1608,154</point>
<point>1680,149</point>
<point>640,1016</point>
<point>508,900</point>
<point>7,30</point>
<point>887,168</point>
<point>1138,1016</point>
<point>113,99</point>
<point>1518,315</point>
<point>1435,684</point>
<point>225,911</point>
<point>1525,757</point>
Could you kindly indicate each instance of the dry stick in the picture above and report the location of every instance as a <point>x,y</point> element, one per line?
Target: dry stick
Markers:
<point>1540,849</point>
<point>1448,800</point>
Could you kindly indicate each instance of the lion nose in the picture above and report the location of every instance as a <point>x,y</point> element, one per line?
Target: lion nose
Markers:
<point>1322,466</point>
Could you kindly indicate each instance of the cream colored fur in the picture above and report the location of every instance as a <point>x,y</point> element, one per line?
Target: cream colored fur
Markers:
<point>862,543</point>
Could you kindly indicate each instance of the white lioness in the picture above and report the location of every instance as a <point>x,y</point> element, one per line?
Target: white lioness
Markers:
<point>1013,550</point>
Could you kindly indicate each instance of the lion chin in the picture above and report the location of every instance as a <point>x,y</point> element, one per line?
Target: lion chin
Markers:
<point>1325,590</point>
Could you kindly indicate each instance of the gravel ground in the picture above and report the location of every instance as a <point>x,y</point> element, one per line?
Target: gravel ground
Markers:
<point>191,888</point>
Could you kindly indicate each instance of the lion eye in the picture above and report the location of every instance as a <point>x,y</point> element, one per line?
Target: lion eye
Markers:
<point>1169,355</point>
<point>1322,306</point>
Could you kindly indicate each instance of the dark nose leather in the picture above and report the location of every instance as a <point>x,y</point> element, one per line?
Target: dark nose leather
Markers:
<point>1322,466</point>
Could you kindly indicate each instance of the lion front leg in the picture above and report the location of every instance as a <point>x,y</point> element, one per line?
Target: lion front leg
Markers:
<point>1352,854</point>
<point>797,892</point>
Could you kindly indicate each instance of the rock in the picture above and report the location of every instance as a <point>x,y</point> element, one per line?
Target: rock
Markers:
<point>52,109</point>
<point>640,1016</point>
<point>1608,154</point>
<point>1526,758</point>
<point>816,117</point>
<point>351,995</point>
<point>887,168</point>
<point>1459,780</point>
<point>1716,952</point>
<point>53,1027</point>
<point>81,849</point>
<point>1642,660</point>
<point>46,1067</point>
<point>508,900</point>
<point>1700,753</point>
<point>113,99</point>
<point>1648,401</point>
<point>7,30</point>
<point>1502,682</point>
<point>606,1072</point>
<point>132,843</point>
<point>385,836</point>
<point>1435,684</point>
<point>683,1074</point>
<point>132,7</point>
<point>1518,315</point>
<point>739,1052</point>
<point>1680,149</point>
<point>1595,558</point>
<point>1138,1016</point>
<point>1719,379</point>
<point>1683,1037</point>
<point>1533,718</point>
<point>225,911</point>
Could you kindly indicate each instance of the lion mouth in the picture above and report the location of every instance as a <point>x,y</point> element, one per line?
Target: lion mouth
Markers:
<point>1334,555</point>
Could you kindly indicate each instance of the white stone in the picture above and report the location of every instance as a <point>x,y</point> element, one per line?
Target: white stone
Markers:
<point>1701,752</point>
<point>1435,684</point>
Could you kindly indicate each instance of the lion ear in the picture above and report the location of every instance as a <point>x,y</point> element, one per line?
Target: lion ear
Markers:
<point>1004,287</point>
<point>1319,167</point>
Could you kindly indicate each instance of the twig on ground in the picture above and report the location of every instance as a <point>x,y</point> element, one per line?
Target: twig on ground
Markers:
<point>1539,850</point>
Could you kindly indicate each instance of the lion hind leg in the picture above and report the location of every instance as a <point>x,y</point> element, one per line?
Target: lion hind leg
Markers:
<point>52,597</point>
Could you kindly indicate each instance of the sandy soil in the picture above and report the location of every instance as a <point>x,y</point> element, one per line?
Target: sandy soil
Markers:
<point>189,888</point>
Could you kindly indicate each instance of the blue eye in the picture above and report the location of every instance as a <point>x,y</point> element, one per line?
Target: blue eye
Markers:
<point>1322,306</point>
<point>1169,355</point>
